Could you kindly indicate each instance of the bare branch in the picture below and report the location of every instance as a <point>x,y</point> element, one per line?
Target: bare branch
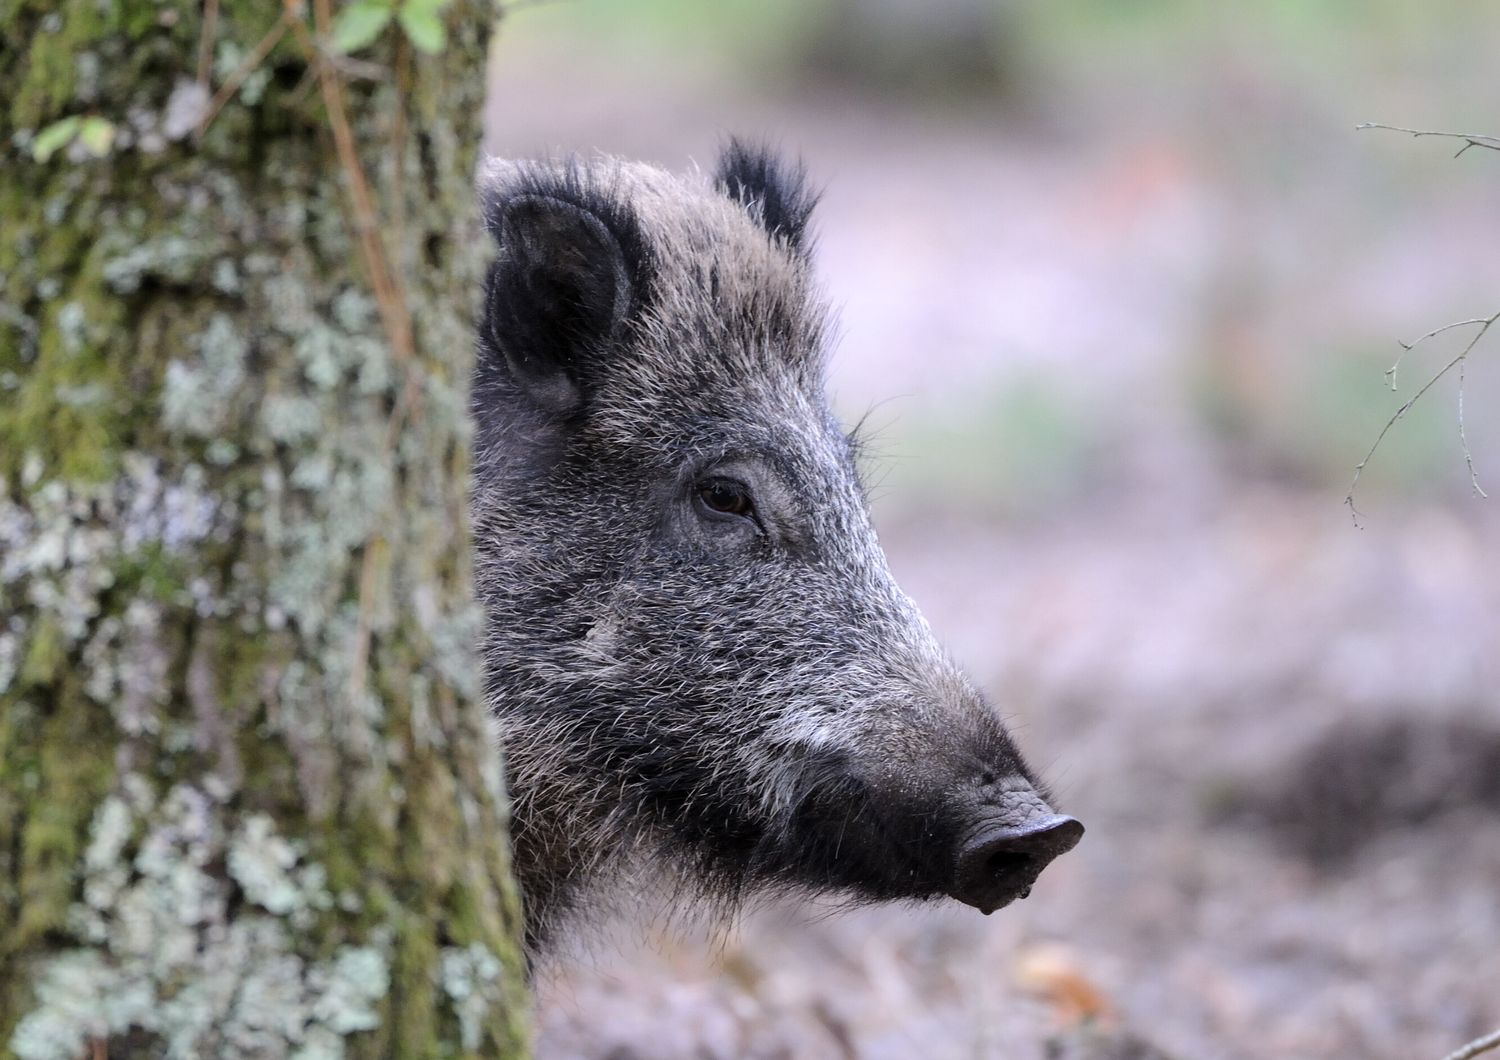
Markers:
<point>1488,142</point>
<point>1406,406</point>
<point>1491,143</point>
<point>1407,347</point>
<point>1463,439</point>
<point>1474,1048</point>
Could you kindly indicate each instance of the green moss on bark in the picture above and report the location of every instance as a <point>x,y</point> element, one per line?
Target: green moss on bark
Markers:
<point>249,805</point>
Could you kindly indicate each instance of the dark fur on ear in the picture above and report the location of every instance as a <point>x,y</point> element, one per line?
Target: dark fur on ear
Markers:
<point>776,192</point>
<point>573,267</point>
<point>573,182</point>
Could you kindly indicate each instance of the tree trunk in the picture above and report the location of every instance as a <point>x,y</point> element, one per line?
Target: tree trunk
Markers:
<point>250,805</point>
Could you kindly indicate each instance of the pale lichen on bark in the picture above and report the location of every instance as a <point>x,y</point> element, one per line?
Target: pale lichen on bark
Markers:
<point>249,805</point>
<point>144,921</point>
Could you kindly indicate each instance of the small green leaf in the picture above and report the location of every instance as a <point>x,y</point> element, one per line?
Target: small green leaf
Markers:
<point>359,24</point>
<point>54,137</point>
<point>97,135</point>
<point>423,26</point>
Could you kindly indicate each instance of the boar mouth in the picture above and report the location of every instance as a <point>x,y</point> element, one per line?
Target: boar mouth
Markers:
<point>842,832</point>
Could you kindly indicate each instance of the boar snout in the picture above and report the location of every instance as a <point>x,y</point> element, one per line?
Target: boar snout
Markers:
<point>1000,861</point>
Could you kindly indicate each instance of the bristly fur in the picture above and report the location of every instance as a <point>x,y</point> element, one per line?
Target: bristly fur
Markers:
<point>594,189</point>
<point>778,193</point>
<point>736,703</point>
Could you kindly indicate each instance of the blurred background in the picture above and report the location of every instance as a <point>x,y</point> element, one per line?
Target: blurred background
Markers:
<point>1118,284</point>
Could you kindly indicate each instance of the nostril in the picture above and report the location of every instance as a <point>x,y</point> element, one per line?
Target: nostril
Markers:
<point>1045,838</point>
<point>1000,864</point>
<point>1003,861</point>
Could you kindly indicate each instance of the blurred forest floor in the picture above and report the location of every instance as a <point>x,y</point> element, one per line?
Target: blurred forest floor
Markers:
<point>1123,332</point>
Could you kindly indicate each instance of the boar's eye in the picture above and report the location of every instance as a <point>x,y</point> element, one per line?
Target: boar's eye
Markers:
<point>720,497</point>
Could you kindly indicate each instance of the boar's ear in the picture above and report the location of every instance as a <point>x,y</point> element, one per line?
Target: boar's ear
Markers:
<point>562,286</point>
<point>775,192</point>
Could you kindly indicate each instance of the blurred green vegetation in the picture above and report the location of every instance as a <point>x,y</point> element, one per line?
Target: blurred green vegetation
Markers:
<point>1019,445</point>
<point>1392,41</point>
<point>1320,421</point>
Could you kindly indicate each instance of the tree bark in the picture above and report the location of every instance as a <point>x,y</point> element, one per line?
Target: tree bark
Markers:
<point>250,805</point>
